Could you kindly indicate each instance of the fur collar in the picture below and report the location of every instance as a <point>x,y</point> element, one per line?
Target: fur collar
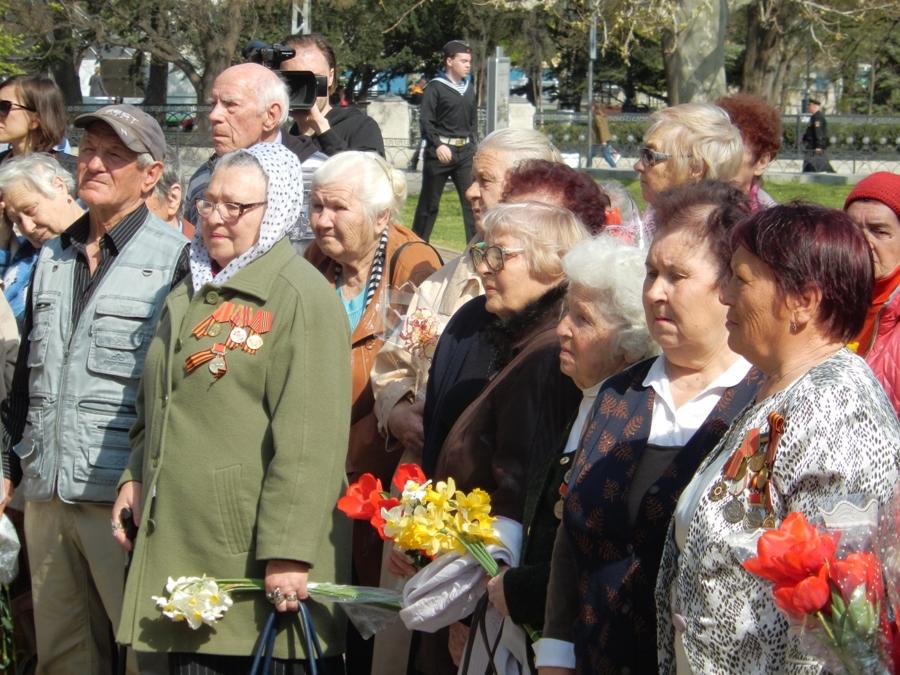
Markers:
<point>507,336</point>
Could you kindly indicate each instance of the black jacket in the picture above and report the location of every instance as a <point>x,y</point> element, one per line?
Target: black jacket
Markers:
<point>446,112</point>
<point>816,135</point>
<point>351,129</point>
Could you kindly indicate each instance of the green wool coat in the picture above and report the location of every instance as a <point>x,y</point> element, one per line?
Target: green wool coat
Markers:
<point>246,468</point>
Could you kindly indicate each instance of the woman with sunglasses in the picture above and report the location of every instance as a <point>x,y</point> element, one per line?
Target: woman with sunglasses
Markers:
<point>238,449</point>
<point>32,118</point>
<point>502,440</point>
<point>683,145</point>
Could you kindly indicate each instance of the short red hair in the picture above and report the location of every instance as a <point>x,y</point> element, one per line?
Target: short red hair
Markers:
<point>760,123</point>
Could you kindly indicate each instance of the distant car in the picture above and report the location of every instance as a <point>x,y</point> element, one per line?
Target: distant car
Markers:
<point>180,120</point>
<point>517,78</point>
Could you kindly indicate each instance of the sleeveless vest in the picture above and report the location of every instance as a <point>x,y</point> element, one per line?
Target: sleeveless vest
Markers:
<point>84,378</point>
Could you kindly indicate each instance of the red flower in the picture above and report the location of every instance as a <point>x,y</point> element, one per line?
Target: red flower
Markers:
<point>806,597</point>
<point>377,520</point>
<point>857,569</point>
<point>407,472</point>
<point>360,498</point>
<point>792,553</point>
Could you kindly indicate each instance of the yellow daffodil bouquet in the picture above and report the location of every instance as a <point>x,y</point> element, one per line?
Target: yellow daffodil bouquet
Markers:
<point>428,518</point>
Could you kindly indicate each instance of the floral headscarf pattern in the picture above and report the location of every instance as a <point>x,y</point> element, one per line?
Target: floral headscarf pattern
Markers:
<point>284,199</point>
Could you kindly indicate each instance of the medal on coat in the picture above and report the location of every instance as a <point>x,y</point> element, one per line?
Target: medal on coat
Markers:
<point>214,356</point>
<point>749,472</point>
<point>239,320</point>
<point>210,325</point>
<point>261,323</point>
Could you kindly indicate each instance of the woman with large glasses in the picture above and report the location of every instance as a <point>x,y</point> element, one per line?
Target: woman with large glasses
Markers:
<point>503,439</point>
<point>238,449</point>
<point>685,144</point>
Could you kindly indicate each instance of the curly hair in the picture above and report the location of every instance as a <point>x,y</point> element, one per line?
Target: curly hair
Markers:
<point>574,190</point>
<point>760,123</point>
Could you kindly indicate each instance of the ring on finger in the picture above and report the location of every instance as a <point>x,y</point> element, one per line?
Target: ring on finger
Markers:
<point>276,597</point>
<point>291,597</point>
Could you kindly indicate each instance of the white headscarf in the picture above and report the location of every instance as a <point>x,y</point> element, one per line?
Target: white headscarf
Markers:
<point>284,199</point>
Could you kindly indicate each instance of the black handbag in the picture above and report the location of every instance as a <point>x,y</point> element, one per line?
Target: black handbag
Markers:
<point>262,659</point>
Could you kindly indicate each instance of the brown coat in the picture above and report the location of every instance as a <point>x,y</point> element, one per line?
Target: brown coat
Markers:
<point>367,450</point>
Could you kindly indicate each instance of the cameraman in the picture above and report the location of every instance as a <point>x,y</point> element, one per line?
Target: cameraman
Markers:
<point>332,129</point>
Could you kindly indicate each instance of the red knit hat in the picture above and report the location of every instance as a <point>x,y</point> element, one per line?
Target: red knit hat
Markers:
<point>882,187</point>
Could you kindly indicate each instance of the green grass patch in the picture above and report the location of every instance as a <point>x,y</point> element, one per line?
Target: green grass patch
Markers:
<point>448,229</point>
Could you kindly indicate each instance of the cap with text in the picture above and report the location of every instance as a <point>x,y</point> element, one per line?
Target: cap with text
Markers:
<point>137,130</point>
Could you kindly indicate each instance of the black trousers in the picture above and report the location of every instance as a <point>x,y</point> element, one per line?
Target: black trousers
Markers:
<point>215,664</point>
<point>434,178</point>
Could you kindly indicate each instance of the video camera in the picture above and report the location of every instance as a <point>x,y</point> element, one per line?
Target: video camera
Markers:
<point>304,86</point>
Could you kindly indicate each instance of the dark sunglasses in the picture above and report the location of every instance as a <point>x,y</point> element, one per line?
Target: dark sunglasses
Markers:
<point>650,157</point>
<point>7,106</point>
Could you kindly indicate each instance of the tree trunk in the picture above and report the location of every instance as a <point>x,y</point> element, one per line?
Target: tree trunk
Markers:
<point>157,82</point>
<point>694,54</point>
<point>63,68</point>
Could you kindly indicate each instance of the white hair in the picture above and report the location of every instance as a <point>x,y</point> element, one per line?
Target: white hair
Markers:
<point>699,136</point>
<point>520,145</point>
<point>271,90</point>
<point>38,170</point>
<point>547,232</point>
<point>611,274</point>
<point>378,186</point>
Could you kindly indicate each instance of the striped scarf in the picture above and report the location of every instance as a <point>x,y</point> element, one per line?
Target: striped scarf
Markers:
<point>375,273</point>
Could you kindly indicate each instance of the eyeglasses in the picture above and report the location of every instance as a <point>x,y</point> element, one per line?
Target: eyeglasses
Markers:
<point>492,256</point>
<point>7,106</point>
<point>229,211</point>
<point>650,157</point>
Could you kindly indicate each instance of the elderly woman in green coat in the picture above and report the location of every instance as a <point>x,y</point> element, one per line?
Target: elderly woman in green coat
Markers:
<point>239,447</point>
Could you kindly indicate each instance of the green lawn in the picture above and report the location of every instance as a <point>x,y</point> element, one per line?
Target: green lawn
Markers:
<point>448,230</point>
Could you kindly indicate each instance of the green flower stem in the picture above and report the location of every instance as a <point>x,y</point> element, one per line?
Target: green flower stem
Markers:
<point>838,649</point>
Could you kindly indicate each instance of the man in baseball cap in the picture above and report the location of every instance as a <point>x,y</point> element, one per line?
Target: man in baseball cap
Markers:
<point>96,294</point>
<point>135,128</point>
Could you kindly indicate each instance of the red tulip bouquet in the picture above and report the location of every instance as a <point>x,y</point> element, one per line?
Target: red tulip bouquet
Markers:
<point>836,596</point>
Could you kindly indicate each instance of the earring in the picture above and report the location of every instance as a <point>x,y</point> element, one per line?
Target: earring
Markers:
<point>794,327</point>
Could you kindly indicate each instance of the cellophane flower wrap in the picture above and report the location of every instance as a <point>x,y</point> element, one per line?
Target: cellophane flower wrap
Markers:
<point>204,601</point>
<point>428,518</point>
<point>828,583</point>
<point>889,539</point>
<point>410,324</point>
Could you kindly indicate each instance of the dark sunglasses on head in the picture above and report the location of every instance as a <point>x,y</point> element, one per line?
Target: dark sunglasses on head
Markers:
<point>7,106</point>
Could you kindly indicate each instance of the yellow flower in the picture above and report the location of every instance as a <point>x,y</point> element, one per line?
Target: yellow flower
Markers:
<point>441,495</point>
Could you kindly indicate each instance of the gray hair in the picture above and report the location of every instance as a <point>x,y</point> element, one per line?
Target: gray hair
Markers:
<point>611,273</point>
<point>379,187</point>
<point>271,90</point>
<point>170,176</point>
<point>520,145</point>
<point>699,136</point>
<point>144,159</point>
<point>547,232</point>
<point>240,159</point>
<point>38,170</point>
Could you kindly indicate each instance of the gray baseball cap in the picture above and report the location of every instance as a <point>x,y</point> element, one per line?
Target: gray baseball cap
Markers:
<point>135,128</point>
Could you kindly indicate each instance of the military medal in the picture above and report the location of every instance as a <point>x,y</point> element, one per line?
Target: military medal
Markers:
<point>214,356</point>
<point>261,323</point>
<point>558,509</point>
<point>719,490</point>
<point>209,326</point>
<point>734,511</point>
<point>239,320</point>
<point>749,471</point>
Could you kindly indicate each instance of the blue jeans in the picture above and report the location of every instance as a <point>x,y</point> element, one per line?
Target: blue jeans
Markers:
<point>606,150</point>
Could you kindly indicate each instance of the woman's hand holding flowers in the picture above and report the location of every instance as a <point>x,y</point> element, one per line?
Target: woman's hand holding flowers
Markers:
<point>286,584</point>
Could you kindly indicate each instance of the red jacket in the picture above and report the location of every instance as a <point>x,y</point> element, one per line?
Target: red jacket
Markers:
<point>884,357</point>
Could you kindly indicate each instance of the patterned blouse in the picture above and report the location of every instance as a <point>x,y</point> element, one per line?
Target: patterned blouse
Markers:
<point>841,440</point>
